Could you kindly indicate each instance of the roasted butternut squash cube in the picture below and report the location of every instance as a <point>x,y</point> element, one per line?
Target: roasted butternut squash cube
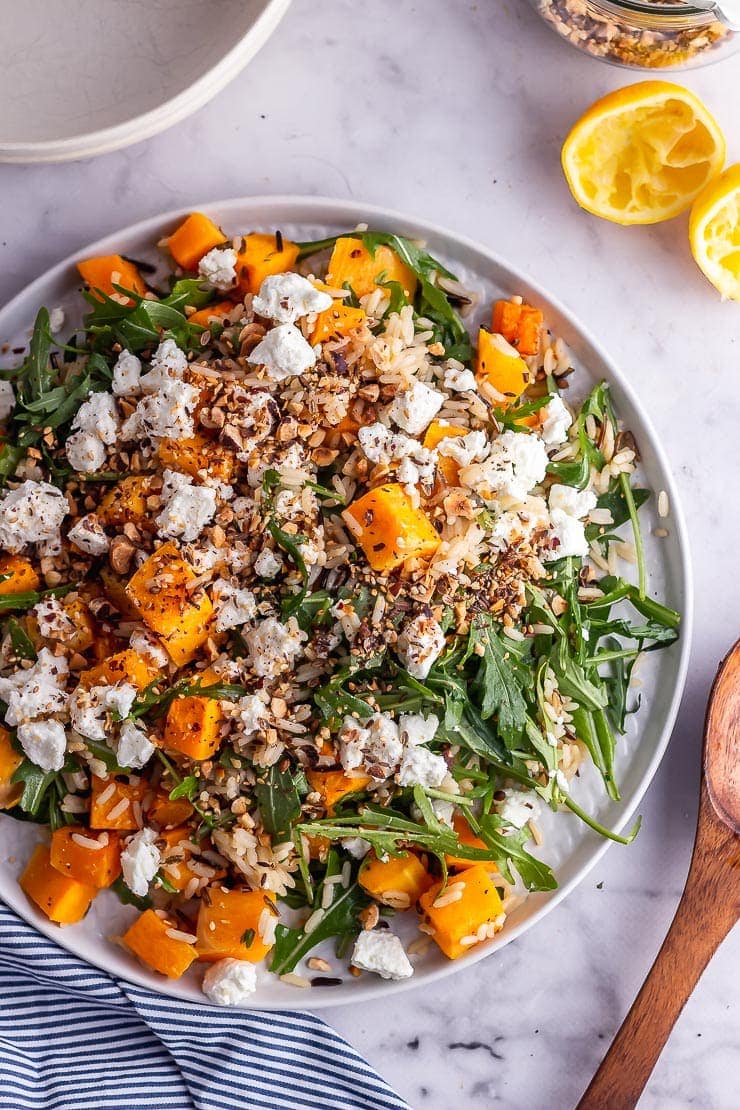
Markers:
<point>260,256</point>
<point>21,575</point>
<point>339,320</point>
<point>59,897</point>
<point>90,858</point>
<point>103,273</point>
<point>113,803</point>
<point>335,785</point>
<point>180,617</point>
<point>398,881</point>
<point>114,588</point>
<point>212,312</point>
<point>195,236</point>
<point>150,939</point>
<point>389,528</point>
<point>125,502</point>
<point>352,263</point>
<point>193,724</point>
<point>501,366</point>
<point>519,324</point>
<point>435,433</point>
<point>176,853</point>
<point>235,924</point>
<point>10,761</point>
<point>123,666</point>
<point>467,837</point>
<point>168,813</point>
<point>198,457</point>
<point>467,912</point>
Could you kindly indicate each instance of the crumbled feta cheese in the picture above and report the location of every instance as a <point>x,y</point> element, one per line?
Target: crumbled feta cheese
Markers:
<point>57,316</point>
<point>284,353</point>
<point>187,507</point>
<point>516,463</point>
<point>219,267</point>
<point>286,297</point>
<point>383,446</point>
<point>230,982</point>
<point>375,746</point>
<point>577,503</point>
<point>32,513</point>
<point>356,846</point>
<point>88,535</point>
<point>85,452</point>
<point>251,713</point>
<point>44,742</point>
<point>7,400</point>
<point>517,808</point>
<point>127,375</point>
<point>98,416</point>
<point>421,642</point>
<point>170,358</point>
<point>470,448</point>
<point>166,413</point>
<point>233,606</point>
<point>518,523</point>
<point>555,421</point>
<point>380,951</point>
<point>459,380</point>
<point>267,564</point>
<point>53,622</point>
<point>415,408</point>
<point>443,811</point>
<point>88,709</point>
<point>567,536</point>
<point>140,861</point>
<point>421,767</point>
<point>273,646</point>
<point>36,691</point>
<point>145,643</point>
<point>118,698</point>
<point>415,729</point>
<point>134,749</point>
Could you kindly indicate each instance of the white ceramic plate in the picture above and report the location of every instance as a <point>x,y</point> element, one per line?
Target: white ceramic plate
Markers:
<point>569,846</point>
<point>82,78</point>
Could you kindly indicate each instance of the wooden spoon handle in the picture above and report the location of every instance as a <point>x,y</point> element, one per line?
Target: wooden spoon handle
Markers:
<point>703,919</point>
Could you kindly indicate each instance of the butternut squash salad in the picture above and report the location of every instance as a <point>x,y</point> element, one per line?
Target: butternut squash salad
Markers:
<point>308,604</point>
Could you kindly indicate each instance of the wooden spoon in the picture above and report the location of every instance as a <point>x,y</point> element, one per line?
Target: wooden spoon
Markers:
<point>709,907</point>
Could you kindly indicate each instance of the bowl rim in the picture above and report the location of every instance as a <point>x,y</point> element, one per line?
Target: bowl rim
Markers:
<point>311,209</point>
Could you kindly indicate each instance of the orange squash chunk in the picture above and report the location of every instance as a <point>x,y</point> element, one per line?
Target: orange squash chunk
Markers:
<point>108,270</point>
<point>206,316</point>
<point>223,923</point>
<point>519,324</point>
<point>435,433</point>
<point>123,666</point>
<point>10,761</point>
<point>195,236</point>
<point>148,939</point>
<point>352,263</point>
<point>384,880</point>
<point>336,321</point>
<point>98,867</point>
<point>456,923</point>
<point>125,502</point>
<point>467,837</point>
<point>197,456</point>
<point>390,529</point>
<point>335,785</point>
<point>22,575</point>
<point>193,724</point>
<point>59,897</point>
<point>260,257</point>
<point>167,813</point>
<point>107,810</point>
<point>159,592</point>
<point>499,364</point>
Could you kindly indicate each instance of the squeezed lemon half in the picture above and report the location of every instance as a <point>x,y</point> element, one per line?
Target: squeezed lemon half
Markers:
<point>714,232</point>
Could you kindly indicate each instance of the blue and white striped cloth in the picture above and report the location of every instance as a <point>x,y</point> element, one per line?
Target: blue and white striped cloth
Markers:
<point>74,1038</point>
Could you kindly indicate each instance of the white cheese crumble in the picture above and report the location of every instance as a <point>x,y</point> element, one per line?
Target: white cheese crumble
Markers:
<point>44,742</point>
<point>85,452</point>
<point>98,416</point>
<point>89,536</point>
<point>145,643</point>
<point>88,709</point>
<point>284,353</point>
<point>274,647</point>
<point>140,861</point>
<point>267,564</point>
<point>251,712</point>
<point>356,846</point>
<point>57,316</point>
<point>380,951</point>
<point>127,375</point>
<point>52,619</point>
<point>517,808</point>
<point>517,523</point>
<point>134,749</point>
<point>567,535</point>
<point>415,729</point>
<point>459,380</point>
<point>555,421</point>
<point>381,445</point>
<point>233,606</point>
<point>187,507</point>
<point>36,691</point>
<point>286,297</point>
<point>164,414</point>
<point>517,462</point>
<point>218,267</point>
<point>7,400</point>
<point>168,359</point>
<point>421,767</point>
<point>375,746</point>
<point>415,408</point>
<point>230,982</point>
<point>574,502</point>
<point>32,513</point>
<point>464,450</point>
<point>421,642</point>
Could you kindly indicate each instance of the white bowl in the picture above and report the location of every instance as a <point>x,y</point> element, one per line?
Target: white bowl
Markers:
<point>84,77</point>
<point>569,846</point>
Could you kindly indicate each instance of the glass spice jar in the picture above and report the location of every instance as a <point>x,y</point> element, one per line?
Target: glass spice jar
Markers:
<point>652,34</point>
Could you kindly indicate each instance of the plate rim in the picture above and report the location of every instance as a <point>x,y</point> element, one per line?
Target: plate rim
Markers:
<point>335,210</point>
<point>89,144</point>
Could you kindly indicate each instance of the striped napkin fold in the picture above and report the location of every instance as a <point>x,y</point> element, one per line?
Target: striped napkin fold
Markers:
<point>75,1038</point>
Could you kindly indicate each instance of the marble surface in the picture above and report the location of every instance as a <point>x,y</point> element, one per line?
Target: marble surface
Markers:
<point>456,111</point>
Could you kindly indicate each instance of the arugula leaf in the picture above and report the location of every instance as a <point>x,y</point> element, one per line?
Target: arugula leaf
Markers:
<point>500,679</point>
<point>188,788</point>
<point>535,874</point>
<point>313,611</point>
<point>36,784</point>
<point>142,322</point>
<point>156,703</point>
<point>21,642</point>
<point>21,602</point>
<point>280,806</point>
<point>128,898</point>
<point>614,501</point>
